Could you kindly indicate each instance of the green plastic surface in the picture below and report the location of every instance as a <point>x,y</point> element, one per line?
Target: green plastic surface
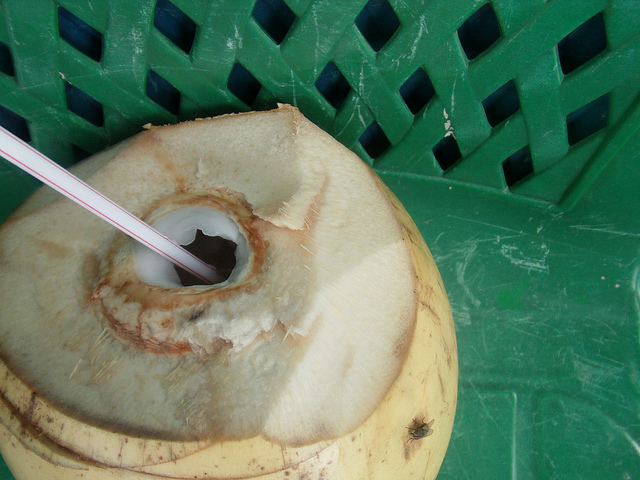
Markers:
<point>508,128</point>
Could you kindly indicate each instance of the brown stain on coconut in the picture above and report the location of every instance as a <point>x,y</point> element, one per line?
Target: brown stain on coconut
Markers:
<point>400,345</point>
<point>144,314</point>
<point>29,430</point>
<point>153,145</point>
<point>443,388</point>
<point>55,250</point>
<point>170,167</point>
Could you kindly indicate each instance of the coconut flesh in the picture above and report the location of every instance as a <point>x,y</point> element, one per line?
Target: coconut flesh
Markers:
<point>298,344</point>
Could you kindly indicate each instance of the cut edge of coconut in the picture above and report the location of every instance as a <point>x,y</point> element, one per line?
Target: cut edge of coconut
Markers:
<point>300,207</point>
<point>377,431</point>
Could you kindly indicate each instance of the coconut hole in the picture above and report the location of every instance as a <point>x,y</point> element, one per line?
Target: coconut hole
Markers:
<point>206,232</point>
<point>215,251</point>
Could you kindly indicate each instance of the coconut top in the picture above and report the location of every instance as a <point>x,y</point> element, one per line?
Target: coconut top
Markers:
<point>301,342</point>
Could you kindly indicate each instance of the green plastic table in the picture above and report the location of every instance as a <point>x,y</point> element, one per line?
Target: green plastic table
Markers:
<point>508,128</point>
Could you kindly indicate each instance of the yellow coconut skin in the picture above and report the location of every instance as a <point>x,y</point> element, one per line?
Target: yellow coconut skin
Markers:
<point>383,447</point>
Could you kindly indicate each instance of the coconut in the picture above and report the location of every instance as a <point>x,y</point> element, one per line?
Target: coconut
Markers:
<point>326,349</point>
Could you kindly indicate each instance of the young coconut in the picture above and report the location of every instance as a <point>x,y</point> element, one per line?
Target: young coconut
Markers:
<point>328,341</point>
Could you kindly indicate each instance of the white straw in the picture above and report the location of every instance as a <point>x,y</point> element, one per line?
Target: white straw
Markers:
<point>47,171</point>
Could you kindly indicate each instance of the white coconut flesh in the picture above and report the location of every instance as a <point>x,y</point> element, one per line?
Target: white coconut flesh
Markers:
<point>187,226</point>
<point>299,344</point>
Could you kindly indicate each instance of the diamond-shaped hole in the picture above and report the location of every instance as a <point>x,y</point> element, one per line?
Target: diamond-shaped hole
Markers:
<point>6,61</point>
<point>517,166</point>
<point>275,17</point>
<point>417,91</point>
<point>501,104</point>
<point>84,105</point>
<point>79,153</point>
<point>479,31</point>
<point>174,24</point>
<point>332,85</point>
<point>14,123</point>
<point>162,92</point>
<point>583,44</point>
<point>378,23</point>
<point>588,119</point>
<point>243,84</point>
<point>374,141</point>
<point>80,34</point>
<point>447,152</point>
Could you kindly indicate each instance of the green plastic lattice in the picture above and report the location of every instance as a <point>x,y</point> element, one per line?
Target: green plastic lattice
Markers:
<point>507,127</point>
<point>503,119</point>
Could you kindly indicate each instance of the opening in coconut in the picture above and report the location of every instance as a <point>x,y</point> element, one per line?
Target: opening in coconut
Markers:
<point>209,234</point>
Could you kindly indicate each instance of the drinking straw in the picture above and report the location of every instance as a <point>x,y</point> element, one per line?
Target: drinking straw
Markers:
<point>30,160</point>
